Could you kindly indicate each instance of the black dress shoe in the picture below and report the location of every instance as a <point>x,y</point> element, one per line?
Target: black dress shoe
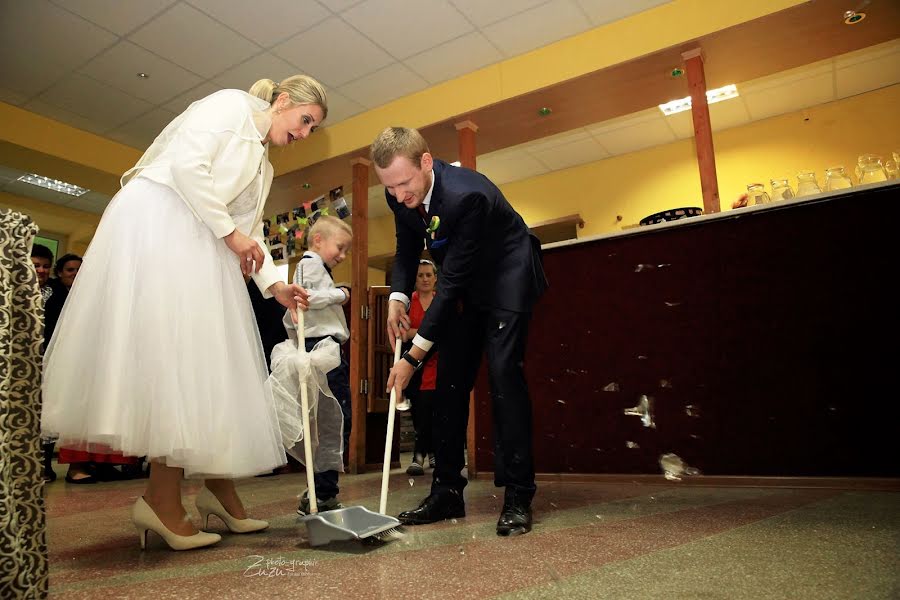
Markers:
<point>436,507</point>
<point>515,519</point>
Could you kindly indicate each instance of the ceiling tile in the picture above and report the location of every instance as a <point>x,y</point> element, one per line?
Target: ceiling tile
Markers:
<point>338,6</point>
<point>793,95</point>
<point>882,70</point>
<point>682,124</point>
<point>537,27</point>
<point>178,104</point>
<point>27,190</point>
<point>560,139</point>
<point>191,39</point>
<point>119,16</point>
<point>118,66</point>
<point>404,27</point>
<point>505,166</point>
<point>39,42</point>
<point>263,65</point>
<point>92,202</point>
<point>340,108</point>
<point>578,151</point>
<point>727,114</point>
<point>457,57</point>
<point>101,104</point>
<point>11,97</point>
<point>635,132</point>
<point>645,116</point>
<point>350,55</point>
<point>785,79</point>
<point>140,133</point>
<point>867,54</point>
<point>268,23</point>
<point>51,111</point>
<point>601,12</point>
<point>383,86</point>
<point>9,174</point>
<point>483,13</point>
<point>25,78</point>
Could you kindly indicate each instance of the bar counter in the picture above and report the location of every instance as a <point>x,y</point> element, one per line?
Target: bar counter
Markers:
<point>763,339</point>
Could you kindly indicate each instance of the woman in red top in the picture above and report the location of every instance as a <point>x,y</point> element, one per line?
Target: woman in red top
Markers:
<point>422,394</point>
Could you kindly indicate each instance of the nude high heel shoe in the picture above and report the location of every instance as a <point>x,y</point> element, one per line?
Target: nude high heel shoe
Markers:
<point>145,520</point>
<point>208,504</point>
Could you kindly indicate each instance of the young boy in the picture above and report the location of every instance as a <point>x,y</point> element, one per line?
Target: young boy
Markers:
<point>329,241</point>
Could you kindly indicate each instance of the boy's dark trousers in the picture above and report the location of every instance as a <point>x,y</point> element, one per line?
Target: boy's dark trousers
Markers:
<point>339,381</point>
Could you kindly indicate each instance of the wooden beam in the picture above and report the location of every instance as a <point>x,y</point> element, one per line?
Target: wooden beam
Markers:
<point>706,157</point>
<point>359,303</point>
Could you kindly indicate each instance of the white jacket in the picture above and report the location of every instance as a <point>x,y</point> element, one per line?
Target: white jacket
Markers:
<point>209,154</point>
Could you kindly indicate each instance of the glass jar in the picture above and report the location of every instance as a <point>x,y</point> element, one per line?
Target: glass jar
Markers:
<point>756,194</point>
<point>807,184</point>
<point>892,170</point>
<point>869,169</point>
<point>836,179</point>
<point>781,190</point>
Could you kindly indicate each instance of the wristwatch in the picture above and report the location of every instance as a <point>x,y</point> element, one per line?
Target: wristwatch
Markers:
<point>415,363</point>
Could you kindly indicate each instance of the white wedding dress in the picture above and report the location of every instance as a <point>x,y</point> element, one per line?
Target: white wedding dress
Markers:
<point>157,351</point>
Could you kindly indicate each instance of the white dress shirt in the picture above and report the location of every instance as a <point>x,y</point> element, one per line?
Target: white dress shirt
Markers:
<point>418,340</point>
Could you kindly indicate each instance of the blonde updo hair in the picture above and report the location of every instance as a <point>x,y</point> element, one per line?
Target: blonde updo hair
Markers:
<point>302,89</point>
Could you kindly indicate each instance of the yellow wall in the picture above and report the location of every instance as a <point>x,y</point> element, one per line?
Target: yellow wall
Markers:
<point>74,228</point>
<point>641,183</point>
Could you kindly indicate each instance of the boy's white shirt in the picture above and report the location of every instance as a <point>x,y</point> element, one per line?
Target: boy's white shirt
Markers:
<point>325,315</point>
<point>209,154</point>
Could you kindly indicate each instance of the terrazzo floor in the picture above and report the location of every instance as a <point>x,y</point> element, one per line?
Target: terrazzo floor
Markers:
<point>628,540</point>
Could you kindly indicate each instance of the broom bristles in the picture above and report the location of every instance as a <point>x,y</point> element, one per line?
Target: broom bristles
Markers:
<point>390,535</point>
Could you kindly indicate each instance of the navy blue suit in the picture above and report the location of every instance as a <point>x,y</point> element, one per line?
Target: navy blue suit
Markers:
<point>490,279</point>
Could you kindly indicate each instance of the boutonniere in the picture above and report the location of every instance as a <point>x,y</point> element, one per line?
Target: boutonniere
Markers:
<point>433,226</point>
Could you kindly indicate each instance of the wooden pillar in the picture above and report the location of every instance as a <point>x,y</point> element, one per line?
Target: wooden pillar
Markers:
<point>359,299</point>
<point>466,134</point>
<point>706,157</point>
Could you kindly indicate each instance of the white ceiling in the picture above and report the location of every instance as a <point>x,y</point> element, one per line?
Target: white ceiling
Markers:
<point>76,61</point>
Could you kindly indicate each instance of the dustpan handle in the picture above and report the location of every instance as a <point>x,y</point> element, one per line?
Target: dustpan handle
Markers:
<point>389,437</point>
<point>304,409</point>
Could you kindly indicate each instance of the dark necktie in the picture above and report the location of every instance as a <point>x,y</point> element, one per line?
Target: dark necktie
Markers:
<point>421,209</point>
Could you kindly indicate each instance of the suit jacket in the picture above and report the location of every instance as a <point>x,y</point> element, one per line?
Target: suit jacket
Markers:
<point>486,254</point>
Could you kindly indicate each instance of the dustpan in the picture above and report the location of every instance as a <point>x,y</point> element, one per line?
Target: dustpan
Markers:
<point>342,524</point>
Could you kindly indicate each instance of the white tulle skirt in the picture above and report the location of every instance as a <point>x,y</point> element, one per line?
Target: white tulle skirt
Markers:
<point>157,351</point>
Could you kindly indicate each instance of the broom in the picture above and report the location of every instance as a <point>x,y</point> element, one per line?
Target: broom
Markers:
<point>395,532</point>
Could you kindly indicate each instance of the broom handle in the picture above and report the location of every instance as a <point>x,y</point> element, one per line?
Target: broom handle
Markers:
<point>389,437</point>
<point>304,408</point>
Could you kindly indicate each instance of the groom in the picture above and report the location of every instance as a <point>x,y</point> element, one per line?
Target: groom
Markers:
<point>491,278</point>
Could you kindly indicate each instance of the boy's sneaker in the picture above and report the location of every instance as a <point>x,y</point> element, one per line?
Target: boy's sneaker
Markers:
<point>415,469</point>
<point>321,504</point>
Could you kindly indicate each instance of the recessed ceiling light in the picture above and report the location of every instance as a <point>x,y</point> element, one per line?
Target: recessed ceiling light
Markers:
<point>851,17</point>
<point>143,75</point>
<point>306,186</point>
<point>712,96</point>
<point>53,184</point>
<point>544,111</point>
